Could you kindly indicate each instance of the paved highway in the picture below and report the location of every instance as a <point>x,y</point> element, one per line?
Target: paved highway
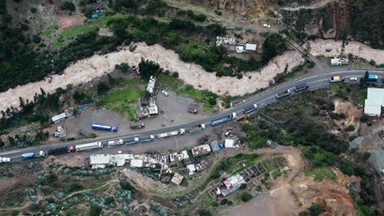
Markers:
<point>262,99</point>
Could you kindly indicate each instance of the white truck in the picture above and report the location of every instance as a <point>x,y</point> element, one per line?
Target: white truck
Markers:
<point>5,160</point>
<point>115,142</point>
<point>89,146</point>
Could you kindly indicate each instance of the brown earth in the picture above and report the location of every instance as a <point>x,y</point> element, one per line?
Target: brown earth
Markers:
<point>67,22</point>
<point>297,192</point>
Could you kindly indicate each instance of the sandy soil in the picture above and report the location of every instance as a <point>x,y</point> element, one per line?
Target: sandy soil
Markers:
<point>354,47</point>
<point>87,69</point>
<point>67,22</point>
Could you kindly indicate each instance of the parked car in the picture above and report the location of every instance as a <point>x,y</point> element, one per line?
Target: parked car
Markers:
<point>193,111</point>
<point>353,79</point>
<point>265,25</point>
<point>165,93</point>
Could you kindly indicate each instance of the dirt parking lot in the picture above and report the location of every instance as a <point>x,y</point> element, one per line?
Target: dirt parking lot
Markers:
<point>172,109</point>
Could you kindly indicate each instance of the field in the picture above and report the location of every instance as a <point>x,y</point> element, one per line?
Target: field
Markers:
<point>125,99</point>
<point>89,25</point>
<point>320,173</point>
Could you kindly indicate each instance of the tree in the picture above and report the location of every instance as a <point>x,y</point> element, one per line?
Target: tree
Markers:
<point>204,212</point>
<point>273,45</point>
<point>95,210</point>
<point>36,39</point>
<point>102,88</point>
<point>212,101</point>
<point>149,68</point>
<point>68,6</point>
<point>245,197</point>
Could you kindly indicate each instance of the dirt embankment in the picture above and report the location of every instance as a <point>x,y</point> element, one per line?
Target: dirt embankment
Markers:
<point>319,46</point>
<point>297,192</point>
<point>87,69</point>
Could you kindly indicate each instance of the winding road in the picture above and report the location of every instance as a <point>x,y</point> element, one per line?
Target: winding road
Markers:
<point>262,99</point>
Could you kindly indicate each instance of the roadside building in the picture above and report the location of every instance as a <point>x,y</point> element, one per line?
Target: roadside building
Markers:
<point>374,101</point>
<point>215,146</point>
<point>151,85</point>
<point>239,49</point>
<point>99,160</point>
<point>201,150</point>
<point>177,179</point>
<point>250,47</point>
<point>191,169</point>
<point>58,118</point>
<point>341,60</point>
<point>229,143</point>
<point>230,185</point>
<point>136,163</point>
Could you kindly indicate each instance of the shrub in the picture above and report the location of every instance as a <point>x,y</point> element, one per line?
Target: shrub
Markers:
<point>212,101</point>
<point>68,6</point>
<point>351,127</point>
<point>245,197</point>
<point>364,118</point>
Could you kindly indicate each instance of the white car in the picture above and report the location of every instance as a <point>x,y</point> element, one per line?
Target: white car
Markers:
<point>353,79</point>
<point>265,25</point>
<point>165,93</point>
<point>5,160</point>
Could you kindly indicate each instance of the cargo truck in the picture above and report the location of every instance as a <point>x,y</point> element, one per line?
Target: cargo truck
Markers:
<point>372,77</point>
<point>31,155</point>
<point>172,133</point>
<point>131,141</point>
<point>196,128</point>
<point>58,150</point>
<point>137,126</point>
<point>222,120</point>
<point>104,127</point>
<point>88,146</point>
<point>5,160</point>
<point>147,138</point>
<point>115,142</point>
<point>336,79</point>
<point>250,109</point>
<point>301,87</point>
<point>283,94</point>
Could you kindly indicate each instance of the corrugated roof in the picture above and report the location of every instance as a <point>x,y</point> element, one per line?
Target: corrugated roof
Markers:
<point>374,101</point>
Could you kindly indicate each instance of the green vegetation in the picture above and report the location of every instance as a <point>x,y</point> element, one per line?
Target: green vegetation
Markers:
<point>314,210</point>
<point>245,196</point>
<point>68,6</point>
<point>320,173</point>
<point>125,99</point>
<point>233,165</point>
<point>90,136</point>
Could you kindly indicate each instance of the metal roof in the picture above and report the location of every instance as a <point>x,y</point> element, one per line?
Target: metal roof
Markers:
<point>374,101</point>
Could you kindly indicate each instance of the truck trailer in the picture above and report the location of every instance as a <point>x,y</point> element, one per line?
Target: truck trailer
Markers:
<point>301,87</point>
<point>250,109</point>
<point>222,120</point>
<point>283,94</point>
<point>372,77</point>
<point>172,133</point>
<point>104,127</point>
<point>89,146</point>
<point>31,155</point>
<point>131,141</point>
<point>137,126</point>
<point>58,150</point>
<point>147,138</point>
<point>115,142</point>
<point>196,128</point>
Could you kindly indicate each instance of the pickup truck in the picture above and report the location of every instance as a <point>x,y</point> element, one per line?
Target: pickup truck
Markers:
<point>336,79</point>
